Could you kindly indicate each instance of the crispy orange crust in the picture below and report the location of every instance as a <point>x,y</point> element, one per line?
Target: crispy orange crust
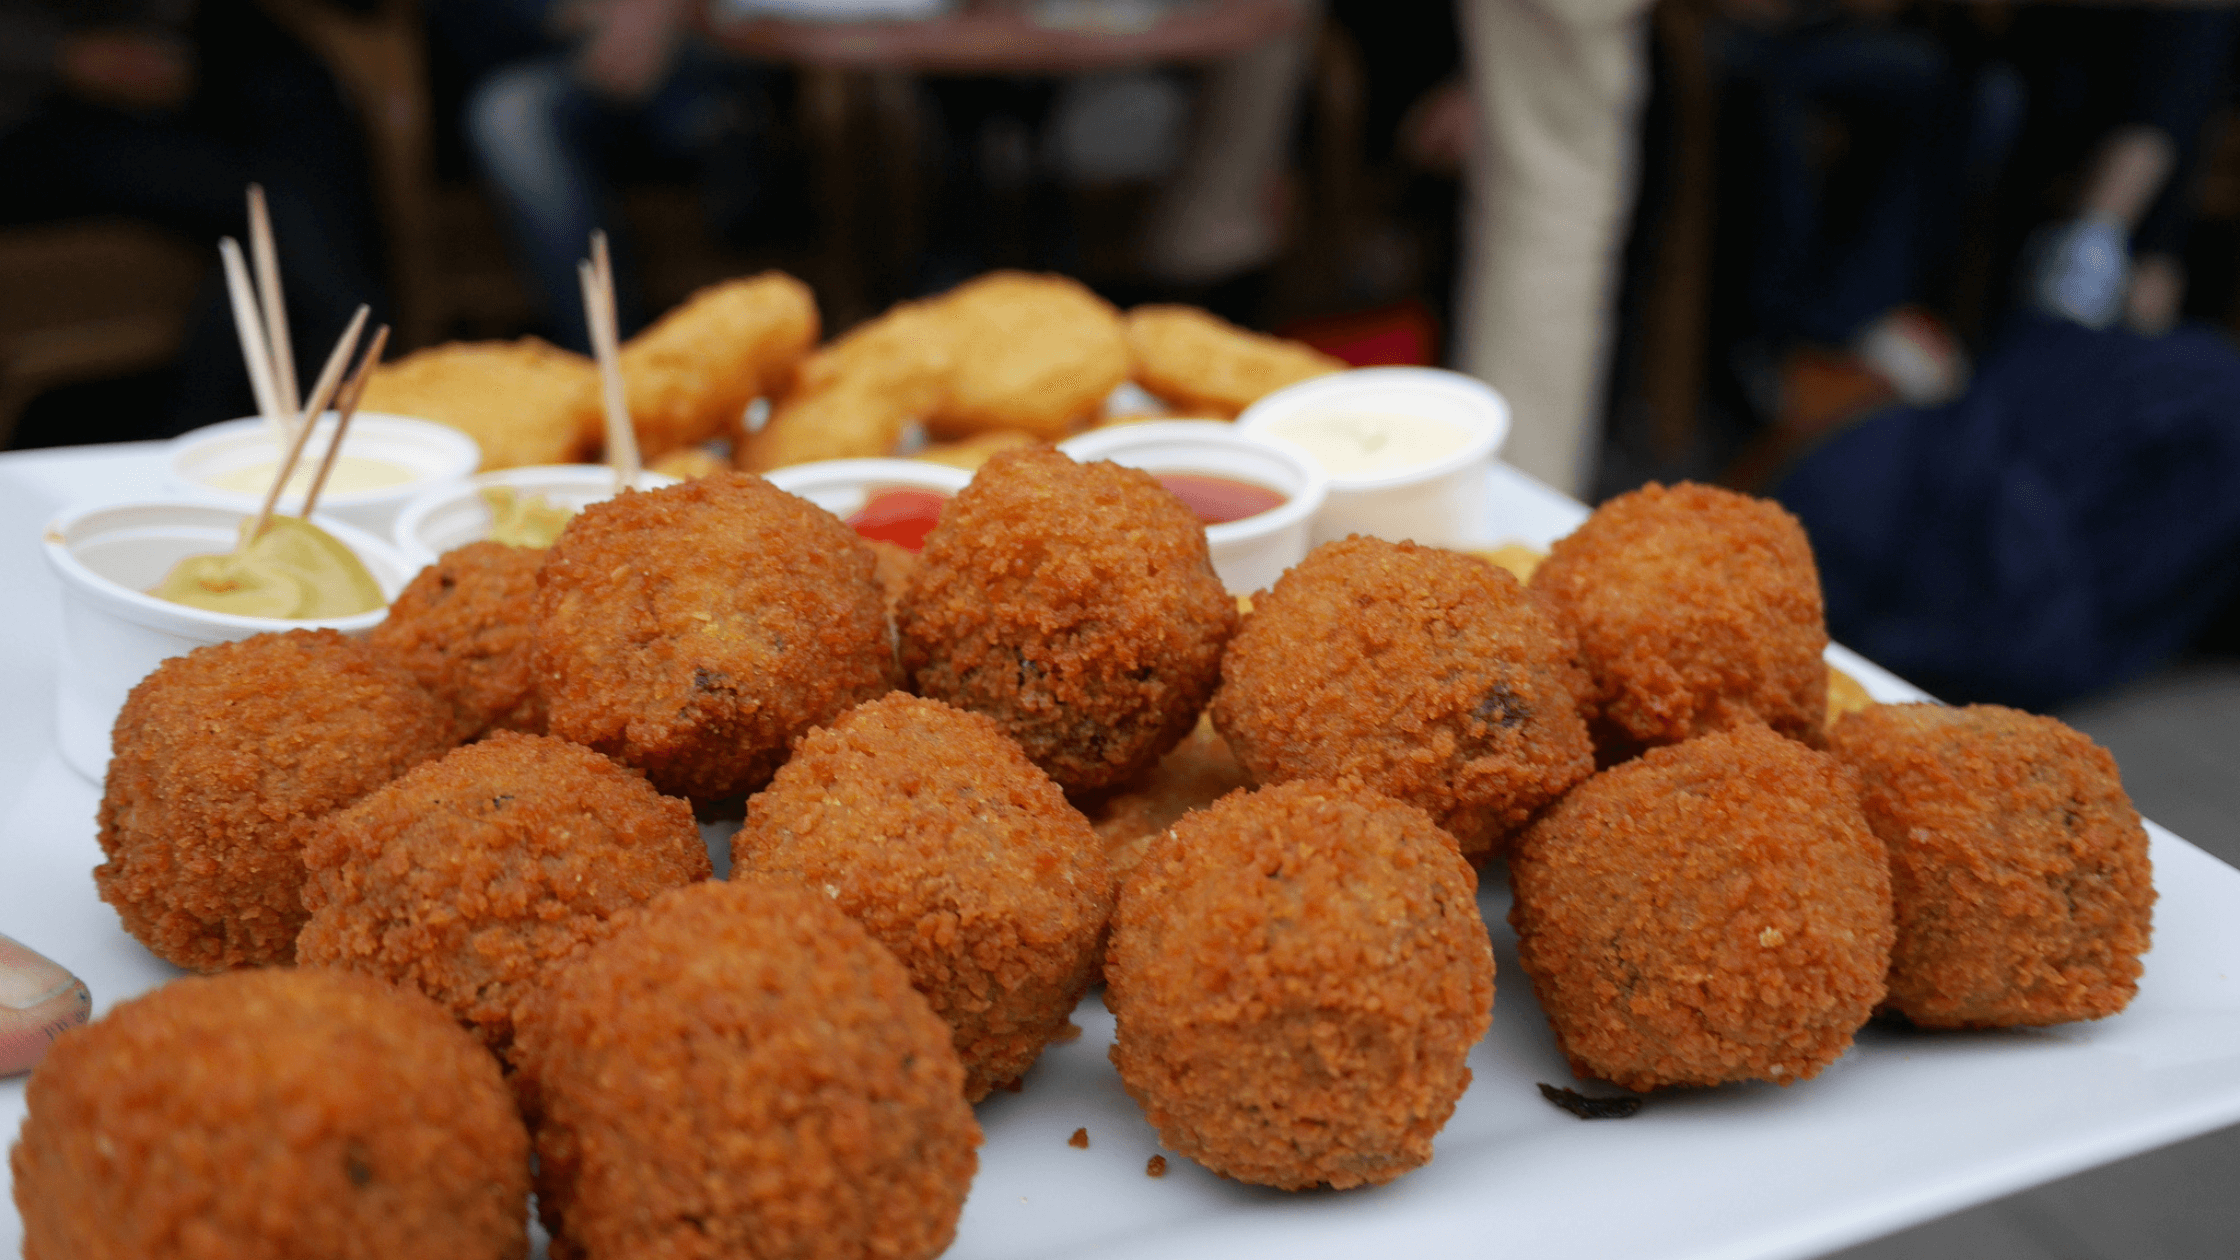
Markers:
<point>1074,604</point>
<point>1200,771</point>
<point>523,402</point>
<point>1696,609</point>
<point>691,375</point>
<point>463,630</point>
<point>1423,674</point>
<point>927,825</point>
<point>1714,911</point>
<point>1032,352</point>
<point>470,875</point>
<point>696,631</point>
<point>225,760</point>
<point>271,1113</point>
<point>741,1071</point>
<point>2020,870</point>
<point>1298,975</point>
<point>1200,363</point>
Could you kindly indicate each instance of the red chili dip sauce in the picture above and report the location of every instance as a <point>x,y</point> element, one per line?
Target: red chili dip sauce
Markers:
<point>1219,500</point>
<point>902,517</point>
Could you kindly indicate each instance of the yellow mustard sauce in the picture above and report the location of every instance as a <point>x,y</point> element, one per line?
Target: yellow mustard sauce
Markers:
<point>295,571</point>
<point>519,520</point>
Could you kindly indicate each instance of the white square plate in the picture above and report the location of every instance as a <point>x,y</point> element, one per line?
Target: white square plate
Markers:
<point>1906,1127</point>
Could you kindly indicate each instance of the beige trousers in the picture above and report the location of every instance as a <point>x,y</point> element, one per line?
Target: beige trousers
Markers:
<point>1558,86</point>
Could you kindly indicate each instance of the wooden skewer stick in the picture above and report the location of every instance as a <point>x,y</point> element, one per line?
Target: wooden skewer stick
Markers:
<point>346,406</point>
<point>597,277</point>
<point>279,343</point>
<point>247,326</point>
<point>329,377</point>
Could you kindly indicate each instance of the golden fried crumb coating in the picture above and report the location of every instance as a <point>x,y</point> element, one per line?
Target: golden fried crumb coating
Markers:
<point>1073,603</point>
<point>969,453</point>
<point>225,760</point>
<point>1200,363</point>
<point>1032,352</point>
<point>696,631</point>
<point>1200,771</point>
<point>463,629</point>
<point>1715,911</point>
<point>691,375</point>
<point>470,875</point>
<point>928,826</point>
<point>2020,871</point>
<point>741,1071</point>
<point>1424,674</point>
<point>852,399</point>
<point>272,1113</point>
<point>1696,609</point>
<point>688,462</point>
<point>1298,975</point>
<point>523,402</point>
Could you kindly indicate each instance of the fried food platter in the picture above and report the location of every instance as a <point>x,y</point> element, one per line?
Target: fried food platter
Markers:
<point>1908,1126</point>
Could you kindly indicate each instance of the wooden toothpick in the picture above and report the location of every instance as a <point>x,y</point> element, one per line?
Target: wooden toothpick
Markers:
<point>345,407</point>
<point>279,343</point>
<point>248,326</point>
<point>329,377</point>
<point>597,277</point>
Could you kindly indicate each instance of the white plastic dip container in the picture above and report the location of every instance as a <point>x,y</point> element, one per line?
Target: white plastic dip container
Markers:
<point>422,453</point>
<point>456,514</point>
<point>114,633</point>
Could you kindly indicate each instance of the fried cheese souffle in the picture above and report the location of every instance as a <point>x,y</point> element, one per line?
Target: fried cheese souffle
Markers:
<point>930,827</point>
<point>472,874</point>
<point>696,631</point>
<point>1201,364</point>
<point>272,1113</point>
<point>523,402</point>
<point>1424,674</point>
<point>742,1071</point>
<point>1696,609</point>
<point>1715,911</point>
<point>692,374</point>
<point>1077,606</point>
<point>1298,975</point>
<point>224,761</point>
<point>2019,868</point>
<point>464,628</point>
<point>1030,351</point>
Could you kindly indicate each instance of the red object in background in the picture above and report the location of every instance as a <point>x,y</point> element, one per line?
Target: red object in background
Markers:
<point>1400,335</point>
<point>902,517</point>
<point>1219,500</point>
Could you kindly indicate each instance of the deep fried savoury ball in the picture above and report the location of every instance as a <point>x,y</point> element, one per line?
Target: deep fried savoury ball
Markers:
<point>1696,609</point>
<point>1074,604</point>
<point>2019,868</point>
<point>927,825</point>
<point>469,876</point>
<point>1714,911</point>
<point>696,631</point>
<point>1424,674</point>
<point>1298,975</point>
<point>463,628</point>
<point>741,1071</point>
<point>224,760</point>
<point>269,1113</point>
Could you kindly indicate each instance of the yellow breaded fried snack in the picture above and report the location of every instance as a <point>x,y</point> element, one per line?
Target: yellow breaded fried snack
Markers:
<point>692,374</point>
<point>851,399</point>
<point>969,453</point>
<point>1198,361</point>
<point>524,402</point>
<point>1033,352</point>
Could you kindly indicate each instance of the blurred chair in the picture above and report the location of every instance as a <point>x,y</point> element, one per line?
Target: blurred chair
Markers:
<point>88,300</point>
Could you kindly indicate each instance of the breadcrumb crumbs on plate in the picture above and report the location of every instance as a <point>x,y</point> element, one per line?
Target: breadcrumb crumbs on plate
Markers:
<point>1079,1140</point>
<point>1157,1167</point>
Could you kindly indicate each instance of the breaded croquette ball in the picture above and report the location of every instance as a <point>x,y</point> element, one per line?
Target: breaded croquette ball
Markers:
<point>1696,609</point>
<point>463,628</point>
<point>1073,603</point>
<point>927,825</point>
<point>2019,868</point>
<point>1029,351</point>
<point>691,375</point>
<point>266,1113</point>
<point>1714,911</point>
<point>224,761</point>
<point>697,630</point>
<point>470,875</point>
<point>1204,365</point>
<point>1426,675</point>
<point>1298,975</point>
<point>523,402</point>
<point>741,1071</point>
